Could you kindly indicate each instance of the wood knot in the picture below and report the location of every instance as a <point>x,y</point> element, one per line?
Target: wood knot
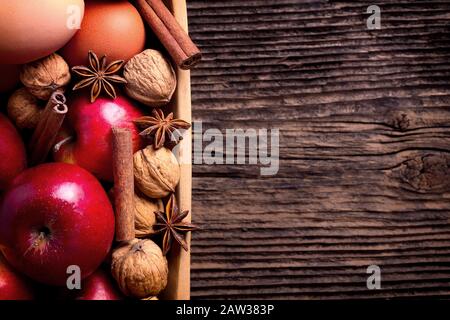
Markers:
<point>401,122</point>
<point>428,173</point>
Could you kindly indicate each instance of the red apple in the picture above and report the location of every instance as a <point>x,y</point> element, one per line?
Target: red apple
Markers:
<point>13,286</point>
<point>12,152</point>
<point>53,216</point>
<point>91,145</point>
<point>98,286</point>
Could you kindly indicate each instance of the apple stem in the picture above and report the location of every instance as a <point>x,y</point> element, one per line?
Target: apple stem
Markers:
<point>61,143</point>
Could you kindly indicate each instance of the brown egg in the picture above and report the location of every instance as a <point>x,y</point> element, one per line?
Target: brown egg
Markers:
<point>30,30</point>
<point>9,77</point>
<point>114,28</point>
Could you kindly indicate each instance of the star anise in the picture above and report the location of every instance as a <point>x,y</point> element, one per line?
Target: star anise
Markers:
<point>99,75</point>
<point>161,129</point>
<point>171,223</point>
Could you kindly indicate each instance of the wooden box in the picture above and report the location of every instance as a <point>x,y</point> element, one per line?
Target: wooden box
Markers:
<point>178,287</point>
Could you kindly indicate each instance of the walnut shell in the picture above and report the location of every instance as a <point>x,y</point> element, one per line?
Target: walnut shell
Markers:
<point>44,76</point>
<point>156,172</point>
<point>23,109</point>
<point>145,218</point>
<point>140,268</point>
<point>151,78</point>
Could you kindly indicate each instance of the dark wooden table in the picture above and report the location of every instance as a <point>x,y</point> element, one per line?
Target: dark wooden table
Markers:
<point>364,149</point>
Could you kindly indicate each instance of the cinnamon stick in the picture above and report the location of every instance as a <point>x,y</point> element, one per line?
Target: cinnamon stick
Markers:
<point>176,41</point>
<point>50,123</point>
<point>123,184</point>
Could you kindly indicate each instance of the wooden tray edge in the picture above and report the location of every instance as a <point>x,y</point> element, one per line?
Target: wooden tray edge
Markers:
<point>178,287</point>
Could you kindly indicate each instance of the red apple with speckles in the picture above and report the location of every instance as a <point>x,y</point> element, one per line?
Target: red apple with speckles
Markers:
<point>87,137</point>
<point>13,286</point>
<point>12,152</point>
<point>98,286</point>
<point>53,216</point>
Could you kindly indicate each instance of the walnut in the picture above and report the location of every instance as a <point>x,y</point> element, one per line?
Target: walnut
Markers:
<point>156,172</point>
<point>145,218</point>
<point>44,76</point>
<point>140,268</point>
<point>24,109</point>
<point>151,78</point>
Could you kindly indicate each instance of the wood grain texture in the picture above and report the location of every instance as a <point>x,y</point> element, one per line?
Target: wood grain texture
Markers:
<point>364,149</point>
